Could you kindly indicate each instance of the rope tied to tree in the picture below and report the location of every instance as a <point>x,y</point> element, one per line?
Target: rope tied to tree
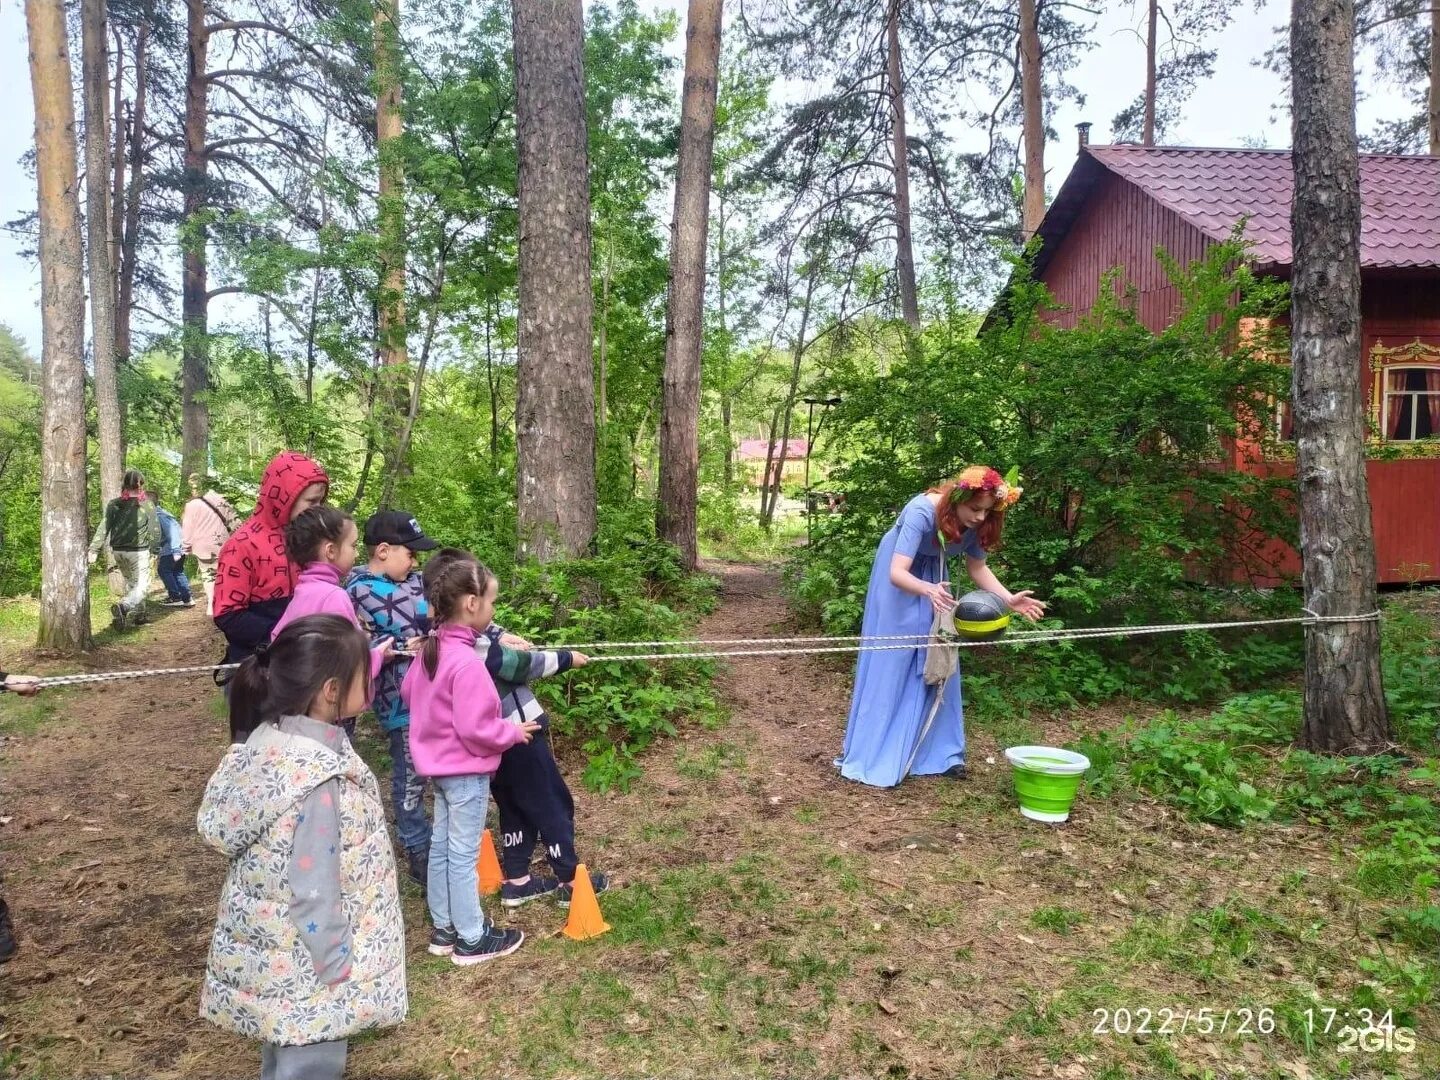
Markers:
<point>705,649</point>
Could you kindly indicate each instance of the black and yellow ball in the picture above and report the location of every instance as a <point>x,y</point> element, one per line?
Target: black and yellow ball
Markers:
<point>981,616</point>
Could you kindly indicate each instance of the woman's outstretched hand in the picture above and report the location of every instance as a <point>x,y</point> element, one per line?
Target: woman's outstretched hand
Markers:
<point>939,597</point>
<point>1025,604</point>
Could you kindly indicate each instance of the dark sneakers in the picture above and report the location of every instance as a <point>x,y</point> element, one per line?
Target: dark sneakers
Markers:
<point>418,860</point>
<point>956,772</point>
<point>599,882</point>
<point>8,946</point>
<point>442,942</point>
<point>491,945</point>
<point>513,896</point>
<point>117,616</point>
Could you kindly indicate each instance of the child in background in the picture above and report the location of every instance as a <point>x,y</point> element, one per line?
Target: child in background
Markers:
<point>170,561</point>
<point>321,541</point>
<point>254,578</point>
<point>534,801</point>
<point>457,734</point>
<point>309,945</point>
<point>389,598</point>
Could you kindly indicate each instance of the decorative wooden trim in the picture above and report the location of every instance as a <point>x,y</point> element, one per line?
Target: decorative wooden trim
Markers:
<point>1416,353</point>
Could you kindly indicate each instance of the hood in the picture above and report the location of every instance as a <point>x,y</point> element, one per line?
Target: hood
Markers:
<point>287,475</point>
<point>253,788</point>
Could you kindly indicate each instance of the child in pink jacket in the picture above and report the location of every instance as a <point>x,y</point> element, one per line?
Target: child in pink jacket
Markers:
<point>457,733</point>
<point>321,541</point>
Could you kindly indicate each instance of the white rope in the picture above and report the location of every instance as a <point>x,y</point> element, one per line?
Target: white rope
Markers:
<point>787,646</point>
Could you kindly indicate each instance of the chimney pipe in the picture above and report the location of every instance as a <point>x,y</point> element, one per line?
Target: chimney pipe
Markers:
<point>1084,130</point>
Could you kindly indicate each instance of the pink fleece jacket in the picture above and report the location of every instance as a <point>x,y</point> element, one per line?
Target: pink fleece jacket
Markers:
<point>457,727</point>
<point>318,592</point>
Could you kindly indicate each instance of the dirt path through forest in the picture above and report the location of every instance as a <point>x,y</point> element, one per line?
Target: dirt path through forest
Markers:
<point>771,919</point>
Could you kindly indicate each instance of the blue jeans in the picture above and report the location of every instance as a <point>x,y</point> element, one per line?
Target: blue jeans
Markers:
<point>407,793</point>
<point>172,573</point>
<point>452,885</point>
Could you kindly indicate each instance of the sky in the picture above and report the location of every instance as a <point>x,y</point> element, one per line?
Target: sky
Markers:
<point>1231,109</point>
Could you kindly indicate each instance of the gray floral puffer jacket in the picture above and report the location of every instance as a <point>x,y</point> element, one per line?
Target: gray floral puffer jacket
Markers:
<point>260,981</point>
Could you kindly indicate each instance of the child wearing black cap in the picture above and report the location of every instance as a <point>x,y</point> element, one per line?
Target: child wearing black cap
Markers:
<point>389,600</point>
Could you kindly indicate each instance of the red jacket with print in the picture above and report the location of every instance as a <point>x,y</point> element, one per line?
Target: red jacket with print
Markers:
<point>254,579</point>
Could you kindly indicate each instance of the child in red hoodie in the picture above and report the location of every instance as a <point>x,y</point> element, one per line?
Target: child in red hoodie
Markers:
<point>254,579</point>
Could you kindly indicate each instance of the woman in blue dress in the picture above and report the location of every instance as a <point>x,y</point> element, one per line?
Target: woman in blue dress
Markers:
<point>908,586</point>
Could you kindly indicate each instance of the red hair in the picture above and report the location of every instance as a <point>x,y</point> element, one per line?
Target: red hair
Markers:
<point>988,532</point>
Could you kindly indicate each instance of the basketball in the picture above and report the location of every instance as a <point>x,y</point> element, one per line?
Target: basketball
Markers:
<point>981,615</point>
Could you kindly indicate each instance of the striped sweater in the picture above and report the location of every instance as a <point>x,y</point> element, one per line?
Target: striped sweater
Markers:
<point>514,669</point>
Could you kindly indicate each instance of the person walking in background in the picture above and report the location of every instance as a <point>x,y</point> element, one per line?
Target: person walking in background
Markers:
<point>171,560</point>
<point>205,524</point>
<point>131,531</point>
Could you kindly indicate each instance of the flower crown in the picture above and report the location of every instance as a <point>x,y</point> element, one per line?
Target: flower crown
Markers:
<point>981,478</point>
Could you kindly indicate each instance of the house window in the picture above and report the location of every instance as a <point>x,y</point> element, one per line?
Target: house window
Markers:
<point>1411,403</point>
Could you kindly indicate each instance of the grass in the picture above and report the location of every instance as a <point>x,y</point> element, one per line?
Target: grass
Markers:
<point>756,939</point>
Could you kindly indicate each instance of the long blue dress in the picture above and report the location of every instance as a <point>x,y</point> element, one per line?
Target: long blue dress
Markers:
<point>891,699</point>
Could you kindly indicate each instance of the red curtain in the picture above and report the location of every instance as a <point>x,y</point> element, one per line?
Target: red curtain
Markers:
<point>1394,380</point>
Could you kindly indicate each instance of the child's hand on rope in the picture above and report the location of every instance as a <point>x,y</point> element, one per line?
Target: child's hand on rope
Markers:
<point>515,641</point>
<point>530,727</point>
<point>578,659</point>
<point>413,646</point>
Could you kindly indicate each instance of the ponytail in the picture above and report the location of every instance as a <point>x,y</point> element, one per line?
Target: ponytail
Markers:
<point>430,654</point>
<point>249,690</point>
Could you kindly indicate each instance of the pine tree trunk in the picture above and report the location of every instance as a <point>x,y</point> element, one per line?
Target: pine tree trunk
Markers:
<point>680,404</point>
<point>115,123</point>
<point>555,392</point>
<point>64,592</point>
<point>130,241</point>
<point>904,247</point>
<point>1148,135</point>
<point>1033,208</point>
<point>1344,700</point>
<point>1434,99</point>
<point>98,172</point>
<point>390,210</point>
<point>194,296</point>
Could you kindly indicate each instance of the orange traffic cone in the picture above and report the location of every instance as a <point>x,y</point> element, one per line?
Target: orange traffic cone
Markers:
<point>585,919</point>
<point>488,866</point>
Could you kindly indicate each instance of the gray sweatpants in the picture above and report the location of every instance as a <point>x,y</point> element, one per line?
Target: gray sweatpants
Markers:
<point>318,1061</point>
<point>135,569</point>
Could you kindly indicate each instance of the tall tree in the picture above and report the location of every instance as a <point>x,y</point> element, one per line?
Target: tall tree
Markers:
<point>1033,119</point>
<point>1344,699</point>
<point>900,159</point>
<point>64,597</point>
<point>98,174</point>
<point>390,212</point>
<point>194,288</point>
<point>555,406</point>
<point>1177,57</point>
<point>685,321</point>
<point>1403,38</point>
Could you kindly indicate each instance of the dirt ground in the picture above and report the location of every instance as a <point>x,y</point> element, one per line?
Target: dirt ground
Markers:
<point>771,919</point>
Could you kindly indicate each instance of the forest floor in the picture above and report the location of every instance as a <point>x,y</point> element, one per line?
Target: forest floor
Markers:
<point>770,919</point>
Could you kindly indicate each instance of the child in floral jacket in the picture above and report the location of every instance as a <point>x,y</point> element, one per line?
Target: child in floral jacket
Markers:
<point>308,948</point>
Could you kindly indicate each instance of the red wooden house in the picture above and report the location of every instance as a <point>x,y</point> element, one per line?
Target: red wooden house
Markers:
<point>1120,203</point>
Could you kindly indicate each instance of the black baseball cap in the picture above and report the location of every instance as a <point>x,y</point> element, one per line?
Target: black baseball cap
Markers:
<point>397,527</point>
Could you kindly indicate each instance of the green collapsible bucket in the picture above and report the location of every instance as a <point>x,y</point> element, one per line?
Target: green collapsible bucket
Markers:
<point>1046,779</point>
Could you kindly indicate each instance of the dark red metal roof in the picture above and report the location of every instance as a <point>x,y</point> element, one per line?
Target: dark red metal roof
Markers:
<point>1213,189</point>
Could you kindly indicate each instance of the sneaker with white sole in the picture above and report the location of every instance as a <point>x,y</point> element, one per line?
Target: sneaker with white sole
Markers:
<point>491,945</point>
<point>513,896</point>
<point>599,882</point>
<point>442,941</point>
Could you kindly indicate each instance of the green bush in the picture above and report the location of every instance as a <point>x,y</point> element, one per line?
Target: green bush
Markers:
<point>1116,431</point>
